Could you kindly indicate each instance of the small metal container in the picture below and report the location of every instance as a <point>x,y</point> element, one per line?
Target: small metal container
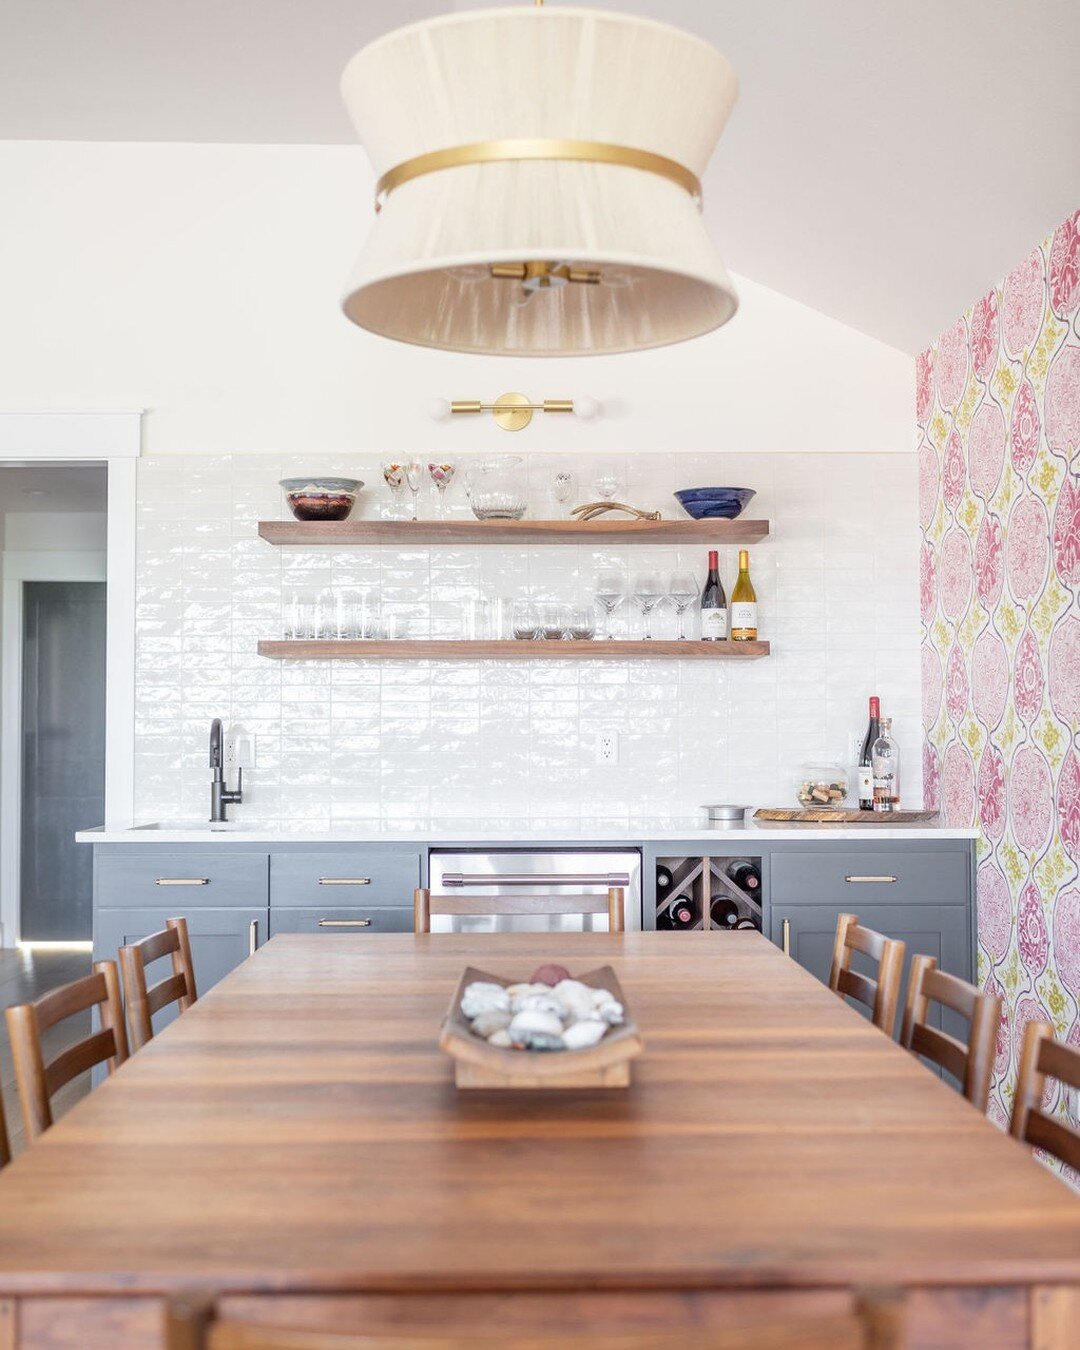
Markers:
<point>725,814</point>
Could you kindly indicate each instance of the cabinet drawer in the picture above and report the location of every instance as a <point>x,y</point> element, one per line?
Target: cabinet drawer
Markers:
<point>354,921</point>
<point>181,880</point>
<point>850,879</point>
<point>364,877</point>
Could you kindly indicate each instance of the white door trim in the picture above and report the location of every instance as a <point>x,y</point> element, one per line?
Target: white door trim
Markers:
<point>20,566</point>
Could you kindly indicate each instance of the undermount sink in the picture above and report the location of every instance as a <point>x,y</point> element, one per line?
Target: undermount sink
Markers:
<point>193,825</point>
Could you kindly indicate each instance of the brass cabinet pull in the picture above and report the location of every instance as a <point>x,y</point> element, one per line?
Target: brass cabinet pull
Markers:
<point>253,937</point>
<point>182,881</point>
<point>344,923</point>
<point>785,929</point>
<point>885,881</point>
<point>344,881</point>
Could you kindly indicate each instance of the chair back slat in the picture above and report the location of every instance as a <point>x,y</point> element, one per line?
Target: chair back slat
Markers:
<point>1043,1057</point>
<point>170,990</point>
<point>425,905</point>
<point>880,994</point>
<point>943,1049</point>
<point>99,1048</point>
<point>179,987</point>
<point>971,1064</point>
<point>37,1079</point>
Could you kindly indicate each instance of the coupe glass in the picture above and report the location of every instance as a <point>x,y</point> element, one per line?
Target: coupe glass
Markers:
<point>442,475</point>
<point>683,590</point>
<point>647,592</point>
<point>610,592</point>
<point>414,476</point>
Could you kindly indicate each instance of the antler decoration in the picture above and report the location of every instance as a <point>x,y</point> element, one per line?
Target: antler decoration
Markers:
<point>593,509</point>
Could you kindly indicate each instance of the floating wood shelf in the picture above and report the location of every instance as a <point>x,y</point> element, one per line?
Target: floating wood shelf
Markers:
<point>522,650</point>
<point>337,533</point>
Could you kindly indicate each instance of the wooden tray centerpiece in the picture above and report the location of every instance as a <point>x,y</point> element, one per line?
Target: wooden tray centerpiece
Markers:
<point>835,815</point>
<point>479,1064</point>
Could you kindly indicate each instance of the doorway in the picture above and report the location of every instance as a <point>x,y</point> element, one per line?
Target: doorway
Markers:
<point>52,728</point>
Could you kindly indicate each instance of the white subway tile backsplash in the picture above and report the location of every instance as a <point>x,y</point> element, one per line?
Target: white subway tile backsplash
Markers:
<point>342,742</point>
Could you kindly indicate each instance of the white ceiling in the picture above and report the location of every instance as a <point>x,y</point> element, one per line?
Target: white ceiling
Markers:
<point>66,490</point>
<point>888,159</point>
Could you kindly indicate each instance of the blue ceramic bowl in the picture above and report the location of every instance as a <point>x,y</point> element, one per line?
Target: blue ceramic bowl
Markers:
<point>715,503</point>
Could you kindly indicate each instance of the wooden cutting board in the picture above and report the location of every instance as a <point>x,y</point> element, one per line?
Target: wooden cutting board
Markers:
<point>835,816</point>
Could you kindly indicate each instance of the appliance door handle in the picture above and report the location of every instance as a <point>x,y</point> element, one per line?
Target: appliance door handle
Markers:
<point>607,879</point>
<point>344,881</point>
<point>881,881</point>
<point>344,923</point>
<point>253,937</point>
<point>785,940</point>
<point>182,881</point>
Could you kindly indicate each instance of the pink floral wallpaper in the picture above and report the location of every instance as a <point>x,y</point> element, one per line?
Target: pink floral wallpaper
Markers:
<point>998,408</point>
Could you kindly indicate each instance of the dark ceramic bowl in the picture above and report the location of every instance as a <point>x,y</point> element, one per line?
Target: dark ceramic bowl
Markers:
<point>715,503</point>
<point>321,498</point>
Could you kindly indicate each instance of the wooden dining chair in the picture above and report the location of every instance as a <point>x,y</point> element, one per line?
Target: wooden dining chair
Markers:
<point>875,1323</point>
<point>425,905</point>
<point>27,1023</point>
<point>1042,1057</point>
<point>5,1142</point>
<point>179,987</point>
<point>880,995</point>
<point>971,1064</point>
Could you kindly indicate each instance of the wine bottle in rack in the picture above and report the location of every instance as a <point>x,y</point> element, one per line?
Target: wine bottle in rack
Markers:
<point>713,604</point>
<point>724,912</point>
<point>744,603</point>
<point>664,880</point>
<point>746,876</point>
<point>683,912</point>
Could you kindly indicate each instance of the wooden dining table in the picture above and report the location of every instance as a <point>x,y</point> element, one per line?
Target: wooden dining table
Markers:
<point>296,1144</point>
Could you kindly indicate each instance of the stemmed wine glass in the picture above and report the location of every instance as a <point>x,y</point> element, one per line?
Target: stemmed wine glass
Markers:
<point>683,591</point>
<point>606,483</point>
<point>442,475</point>
<point>647,592</point>
<point>414,476</point>
<point>610,593</point>
<point>393,472</point>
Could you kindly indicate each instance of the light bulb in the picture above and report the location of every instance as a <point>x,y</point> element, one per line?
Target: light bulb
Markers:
<point>587,407</point>
<point>439,409</point>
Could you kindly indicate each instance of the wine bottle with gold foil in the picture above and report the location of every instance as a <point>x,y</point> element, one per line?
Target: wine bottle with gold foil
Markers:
<point>744,603</point>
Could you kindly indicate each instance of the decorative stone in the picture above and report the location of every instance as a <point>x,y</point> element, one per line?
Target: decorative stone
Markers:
<point>484,996</point>
<point>612,1013</point>
<point>533,1002</point>
<point>541,1040</point>
<point>576,998</point>
<point>500,1039</point>
<point>551,974</point>
<point>534,1021</point>
<point>488,1023</point>
<point>580,1035</point>
<point>513,990</point>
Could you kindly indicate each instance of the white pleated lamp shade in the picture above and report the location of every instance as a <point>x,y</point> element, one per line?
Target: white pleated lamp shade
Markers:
<point>580,75</point>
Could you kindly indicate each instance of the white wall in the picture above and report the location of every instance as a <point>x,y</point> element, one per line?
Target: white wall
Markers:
<point>202,283</point>
<point>50,531</point>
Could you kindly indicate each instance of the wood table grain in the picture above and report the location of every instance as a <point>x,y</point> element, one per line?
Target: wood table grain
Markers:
<point>296,1141</point>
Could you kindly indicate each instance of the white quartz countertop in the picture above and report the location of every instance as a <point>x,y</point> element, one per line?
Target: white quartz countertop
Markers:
<point>511,831</point>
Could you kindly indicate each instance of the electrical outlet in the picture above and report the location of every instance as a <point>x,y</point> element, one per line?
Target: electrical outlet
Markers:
<point>854,746</point>
<point>607,747</point>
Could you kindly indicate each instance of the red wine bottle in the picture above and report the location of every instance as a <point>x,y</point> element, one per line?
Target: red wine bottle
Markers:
<point>683,912</point>
<point>713,604</point>
<point>866,770</point>
<point>746,876</point>
<point>724,912</point>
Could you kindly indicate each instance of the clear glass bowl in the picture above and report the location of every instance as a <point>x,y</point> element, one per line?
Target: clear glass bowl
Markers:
<point>820,786</point>
<point>496,488</point>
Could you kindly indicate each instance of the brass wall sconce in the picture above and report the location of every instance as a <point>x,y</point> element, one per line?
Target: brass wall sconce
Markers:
<point>513,412</point>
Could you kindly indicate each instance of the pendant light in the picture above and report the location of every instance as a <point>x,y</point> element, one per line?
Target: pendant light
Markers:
<point>539,183</point>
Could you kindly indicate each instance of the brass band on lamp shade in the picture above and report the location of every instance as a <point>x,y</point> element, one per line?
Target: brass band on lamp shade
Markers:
<point>536,148</point>
<point>530,203</point>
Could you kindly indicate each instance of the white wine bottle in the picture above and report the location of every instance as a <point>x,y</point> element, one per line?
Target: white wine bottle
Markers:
<point>714,613</point>
<point>744,603</point>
